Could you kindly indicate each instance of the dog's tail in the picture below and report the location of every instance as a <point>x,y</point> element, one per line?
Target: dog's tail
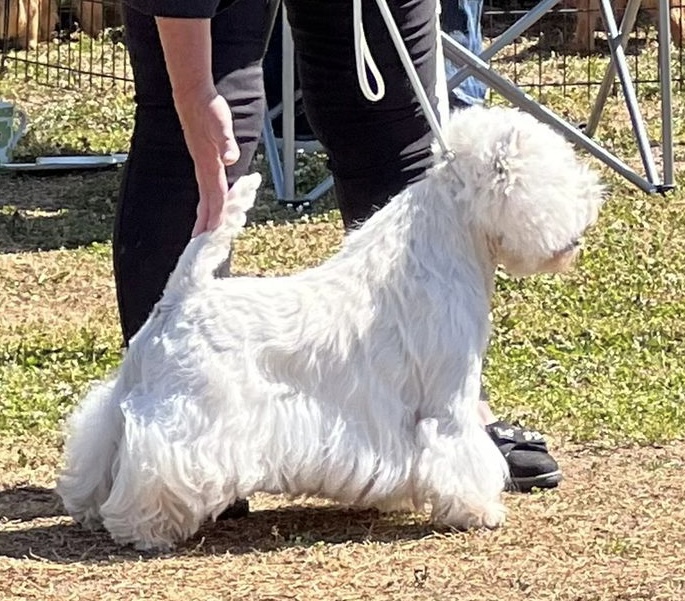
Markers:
<point>205,256</point>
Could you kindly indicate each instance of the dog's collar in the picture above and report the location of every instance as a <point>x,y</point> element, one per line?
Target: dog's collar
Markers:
<point>448,159</point>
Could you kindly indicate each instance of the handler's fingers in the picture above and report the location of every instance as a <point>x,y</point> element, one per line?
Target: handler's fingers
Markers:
<point>229,151</point>
<point>213,189</point>
<point>220,129</point>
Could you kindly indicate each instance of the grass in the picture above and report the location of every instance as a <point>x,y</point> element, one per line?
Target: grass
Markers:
<point>594,355</point>
<point>596,358</point>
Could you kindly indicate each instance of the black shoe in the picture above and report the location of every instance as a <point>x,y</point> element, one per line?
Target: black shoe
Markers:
<point>239,509</point>
<point>530,464</point>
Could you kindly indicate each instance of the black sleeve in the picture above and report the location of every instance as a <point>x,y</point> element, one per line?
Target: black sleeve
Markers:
<point>183,9</point>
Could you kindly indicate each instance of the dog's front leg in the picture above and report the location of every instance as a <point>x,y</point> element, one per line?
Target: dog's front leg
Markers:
<point>459,470</point>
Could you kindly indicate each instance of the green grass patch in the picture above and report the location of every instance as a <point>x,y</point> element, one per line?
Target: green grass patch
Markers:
<point>42,377</point>
<point>595,355</point>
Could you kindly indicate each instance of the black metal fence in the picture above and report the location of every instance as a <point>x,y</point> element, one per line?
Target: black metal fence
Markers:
<point>80,43</point>
<point>569,47</point>
<point>74,43</point>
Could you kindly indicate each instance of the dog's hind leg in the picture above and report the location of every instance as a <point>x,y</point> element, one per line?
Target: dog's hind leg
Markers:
<point>93,435</point>
<point>144,510</point>
<point>173,473</point>
<point>462,473</point>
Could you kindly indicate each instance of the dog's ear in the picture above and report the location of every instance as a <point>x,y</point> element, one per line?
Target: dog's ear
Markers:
<point>506,148</point>
<point>243,193</point>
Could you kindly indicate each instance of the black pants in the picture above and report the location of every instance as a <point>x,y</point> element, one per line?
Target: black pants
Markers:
<point>375,149</point>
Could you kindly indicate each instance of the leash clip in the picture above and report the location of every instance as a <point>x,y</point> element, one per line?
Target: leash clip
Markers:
<point>449,155</point>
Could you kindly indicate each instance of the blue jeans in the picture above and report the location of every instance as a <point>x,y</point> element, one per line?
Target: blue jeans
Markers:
<point>461,21</point>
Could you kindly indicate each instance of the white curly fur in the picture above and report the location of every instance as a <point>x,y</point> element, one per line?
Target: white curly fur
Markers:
<point>357,380</point>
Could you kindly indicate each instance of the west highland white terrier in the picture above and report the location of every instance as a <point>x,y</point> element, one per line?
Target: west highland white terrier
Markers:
<point>358,380</point>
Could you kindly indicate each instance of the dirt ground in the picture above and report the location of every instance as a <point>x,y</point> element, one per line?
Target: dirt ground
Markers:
<point>614,530</point>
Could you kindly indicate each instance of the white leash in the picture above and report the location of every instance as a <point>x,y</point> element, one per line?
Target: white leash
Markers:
<point>363,59</point>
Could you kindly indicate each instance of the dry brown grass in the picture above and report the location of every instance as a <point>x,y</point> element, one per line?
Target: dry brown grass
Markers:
<point>614,531</point>
<point>62,289</point>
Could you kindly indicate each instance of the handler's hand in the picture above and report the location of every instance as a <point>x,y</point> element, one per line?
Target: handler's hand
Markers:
<point>208,129</point>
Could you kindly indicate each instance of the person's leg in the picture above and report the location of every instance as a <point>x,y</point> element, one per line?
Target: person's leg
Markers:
<point>461,20</point>
<point>375,149</point>
<point>159,194</point>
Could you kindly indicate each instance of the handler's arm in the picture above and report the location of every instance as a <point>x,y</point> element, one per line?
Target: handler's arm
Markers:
<point>205,115</point>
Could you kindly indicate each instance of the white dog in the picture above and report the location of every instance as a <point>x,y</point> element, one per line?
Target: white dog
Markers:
<point>358,380</point>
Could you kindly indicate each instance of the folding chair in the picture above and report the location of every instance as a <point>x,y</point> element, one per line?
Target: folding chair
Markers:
<point>478,67</point>
<point>282,163</point>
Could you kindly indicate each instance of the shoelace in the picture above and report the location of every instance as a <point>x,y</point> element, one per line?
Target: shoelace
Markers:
<point>364,60</point>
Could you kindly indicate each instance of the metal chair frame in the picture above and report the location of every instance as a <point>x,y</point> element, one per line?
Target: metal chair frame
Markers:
<point>282,164</point>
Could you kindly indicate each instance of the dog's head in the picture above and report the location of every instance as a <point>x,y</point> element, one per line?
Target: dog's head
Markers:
<point>531,196</point>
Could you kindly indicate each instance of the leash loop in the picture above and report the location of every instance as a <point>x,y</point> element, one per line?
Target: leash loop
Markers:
<point>364,59</point>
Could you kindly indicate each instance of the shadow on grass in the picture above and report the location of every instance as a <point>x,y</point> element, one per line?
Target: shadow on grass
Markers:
<point>27,503</point>
<point>63,541</point>
<point>46,211</point>
<point>53,210</point>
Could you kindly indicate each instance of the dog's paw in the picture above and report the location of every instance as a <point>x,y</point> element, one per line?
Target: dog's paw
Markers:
<point>148,542</point>
<point>88,518</point>
<point>492,517</point>
<point>463,517</point>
